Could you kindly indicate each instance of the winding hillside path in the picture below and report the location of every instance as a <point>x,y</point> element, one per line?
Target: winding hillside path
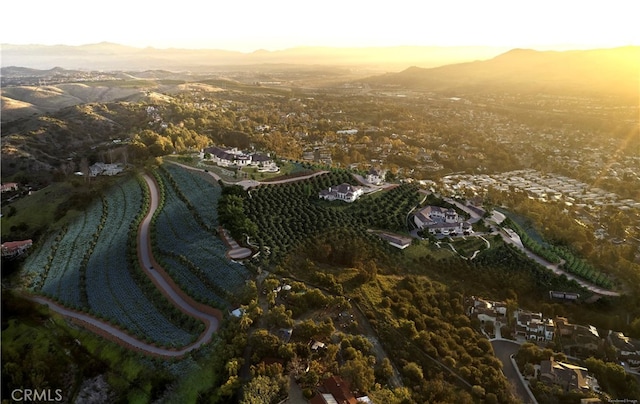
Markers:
<point>209,316</point>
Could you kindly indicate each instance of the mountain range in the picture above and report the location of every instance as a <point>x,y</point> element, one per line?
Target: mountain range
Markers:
<point>611,72</point>
<point>110,56</point>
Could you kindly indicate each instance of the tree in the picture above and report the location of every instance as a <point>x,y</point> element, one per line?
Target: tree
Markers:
<point>384,371</point>
<point>413,372</point>
<point>359,373</point>
<point>265,390</point>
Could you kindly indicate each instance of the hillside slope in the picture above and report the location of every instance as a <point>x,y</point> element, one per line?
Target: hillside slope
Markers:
<point>589,72</point>
<point>22,101</point>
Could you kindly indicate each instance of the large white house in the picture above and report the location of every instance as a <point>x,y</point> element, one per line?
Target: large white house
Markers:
<point>376,177</point>
<point>441,220</point>
<point>235,157</point>
<point>343,192</point>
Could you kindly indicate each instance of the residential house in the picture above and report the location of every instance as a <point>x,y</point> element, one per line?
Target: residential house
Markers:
<point>569,377</point>
<point>441,220</point>
<point>235,157</point>
<point>347,132</point>
<point>534,327</point>
<point>577,339</point>
<point>104,169</point>
<point>343,192</point>
<point>486,310</point>
<point>334,390</point>
<point>376,176</point>
<point>627,349</point>
<point>11,249</point>
<point>396,240</point>
<point>9,186</point>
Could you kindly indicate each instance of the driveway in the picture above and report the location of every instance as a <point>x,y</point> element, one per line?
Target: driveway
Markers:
<point>503,349</point>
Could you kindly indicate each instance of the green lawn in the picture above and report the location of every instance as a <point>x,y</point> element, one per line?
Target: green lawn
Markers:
<point>426,249</point>
<point>468,245</point>
<point>41,211</point>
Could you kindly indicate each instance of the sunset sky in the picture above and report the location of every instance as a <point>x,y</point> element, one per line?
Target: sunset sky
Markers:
<point>278,24</point>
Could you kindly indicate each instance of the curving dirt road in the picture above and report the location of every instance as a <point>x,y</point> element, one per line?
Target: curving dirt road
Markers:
<point>208,315</point>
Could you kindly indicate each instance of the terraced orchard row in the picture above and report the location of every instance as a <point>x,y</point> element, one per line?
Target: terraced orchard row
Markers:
<point>286,214</point>
<point>91,265</point>
<point>185,241</point>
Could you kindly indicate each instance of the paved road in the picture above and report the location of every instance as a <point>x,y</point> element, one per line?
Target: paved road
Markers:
<point>504,349</point>
<point>208,315</point>
<point>514,239</point>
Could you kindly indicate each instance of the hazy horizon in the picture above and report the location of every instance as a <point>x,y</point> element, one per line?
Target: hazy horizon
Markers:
<point>281,25</point>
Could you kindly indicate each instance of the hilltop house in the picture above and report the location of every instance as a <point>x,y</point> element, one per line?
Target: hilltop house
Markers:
<point>235,157</point>
<point>441,220</point>
<point>343,192</point>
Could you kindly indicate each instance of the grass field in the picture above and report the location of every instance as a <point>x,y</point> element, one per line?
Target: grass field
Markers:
<point>50,208</point>
<point>425,249</point>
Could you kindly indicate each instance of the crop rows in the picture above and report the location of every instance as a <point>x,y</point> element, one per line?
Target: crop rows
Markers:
<point>287,214</point>
<point>193,249</point>
<point>555,254</point>
<point>63,279</point>
<point>111,291</point>
<point>89,266</point>
<point>200,193</point>
<point>37,264</point>
<point>582,268</point>
<point>194,285</point>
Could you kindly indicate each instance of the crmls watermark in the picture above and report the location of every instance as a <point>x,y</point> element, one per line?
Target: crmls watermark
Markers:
<point>624,400</point>
<point>35,395</point>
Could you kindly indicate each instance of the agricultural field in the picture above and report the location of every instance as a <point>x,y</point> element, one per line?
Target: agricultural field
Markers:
<point>559,254</point>
<point>186,242</point>
<point>286,214</point>
<point>86,267</point>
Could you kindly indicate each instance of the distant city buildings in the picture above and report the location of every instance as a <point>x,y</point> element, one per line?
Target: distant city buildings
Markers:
<point>543,187</point>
